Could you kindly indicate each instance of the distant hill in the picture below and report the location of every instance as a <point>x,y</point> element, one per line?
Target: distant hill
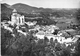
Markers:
<point>28,9</point>
<point>5,12</point>
<point>7,5</point>
<point>5,9</point>
<point>24,8</point>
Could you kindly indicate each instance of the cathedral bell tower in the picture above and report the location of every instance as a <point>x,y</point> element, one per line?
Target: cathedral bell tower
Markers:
<point>17,18</point>
<point>14,16</point>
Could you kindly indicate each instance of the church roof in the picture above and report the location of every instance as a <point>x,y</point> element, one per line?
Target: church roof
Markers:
<point>14,10</point>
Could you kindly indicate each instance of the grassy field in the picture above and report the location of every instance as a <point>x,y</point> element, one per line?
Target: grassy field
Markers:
<point>62,23</point>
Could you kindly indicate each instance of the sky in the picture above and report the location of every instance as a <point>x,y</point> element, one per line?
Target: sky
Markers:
<point>47,3</point>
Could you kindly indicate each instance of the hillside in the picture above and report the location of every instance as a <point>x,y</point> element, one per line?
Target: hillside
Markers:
<point>30,9</point>
<point>5,9</point>
<point>24,8</point>
<point>5,12</point>
<point>7,5</point>
<point>27,8</point>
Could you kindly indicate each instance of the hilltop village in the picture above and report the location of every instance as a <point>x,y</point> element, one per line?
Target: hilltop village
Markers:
<point>50,31</point>
<point>18,27</point>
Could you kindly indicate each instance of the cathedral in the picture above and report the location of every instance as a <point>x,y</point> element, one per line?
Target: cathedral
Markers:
<point>17,18</point>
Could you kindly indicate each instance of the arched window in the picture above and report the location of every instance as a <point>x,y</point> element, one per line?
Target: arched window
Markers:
<point>19,20</point>
<point>22,20</point>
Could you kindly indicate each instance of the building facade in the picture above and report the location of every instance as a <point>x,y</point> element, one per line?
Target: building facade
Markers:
<point>17,18</point>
